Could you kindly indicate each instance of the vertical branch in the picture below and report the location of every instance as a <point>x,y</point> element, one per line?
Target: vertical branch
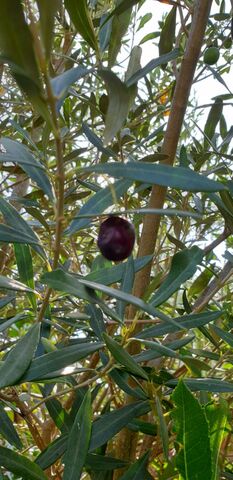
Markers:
<point>179,104</point>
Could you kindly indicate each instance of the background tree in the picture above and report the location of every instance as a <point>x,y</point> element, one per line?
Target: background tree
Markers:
<point>115,370</point>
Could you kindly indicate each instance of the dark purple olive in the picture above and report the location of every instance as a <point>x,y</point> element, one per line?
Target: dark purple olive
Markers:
<point>116,238</point>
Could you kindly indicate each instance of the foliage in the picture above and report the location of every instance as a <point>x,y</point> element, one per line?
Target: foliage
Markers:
<point>98,381</point>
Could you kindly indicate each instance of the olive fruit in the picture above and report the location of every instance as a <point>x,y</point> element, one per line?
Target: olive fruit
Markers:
<point>116,238</point>
<point>211,55</point>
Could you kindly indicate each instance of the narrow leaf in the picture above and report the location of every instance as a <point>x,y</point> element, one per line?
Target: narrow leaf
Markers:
<point>213,119</point>
<point>103,462</point>
<point>82,21</point>
<point>19,358</point>
<point>165,175</point>
<point>16,45</point>
<point>118,105</point>
<point>152,65</point>
<point>7,429</point>
<point>25,269</point>
<point>183,266</point>
<point>167,37</point>
<point>194,320</point>
<point>13,218</point>
<point>107,276</point>
<point>59,359</point>
<point>12,235</point>
<point>123,357</point>
<point>205,385</point>
<point>138,470</point>
<point>52,453</point>
<point>62,82</point>
<point>47,11</point>
<point>15,152</point>
<point>226,336</point>
<point>126,284</point>
<point>163,430</point>
<point>109,424</point>
<point>20,465</point>
<point>11,284</point>
<point>120,25</point>
<point>78,441</point>
<point>79,287</point>
<point>101,200</point>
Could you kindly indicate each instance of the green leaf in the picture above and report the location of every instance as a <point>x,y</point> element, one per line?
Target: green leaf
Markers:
<point>25,269</point>
<point>109,424</point>
<point>93,461</point>
<point>79,287</point>
<point>123,357</point>
<point>146,18</point>
<point>118,105</point>
<point>62,82</point>
<point>213,385</point>
<point>226,336</point>
<point>170,212</point>
<point>144,427</point>
<point>152,65</point>
<point>167,37</point>
<point>103,462</point>
<point>158,347</point>
<point>194,320</point>
<point>176,177</point>
<point>107,276</point>
<point>194,458</point>
<point>121,378</point>
<point>65,282</point>
<point>96,320</point>
<point>11,284</point>
<point>52,453</point>
<point>16,221</point>
<point>183,266</point>
<point>7,429</point>
<point>15,152</point>
<point>120,24</point>
<point>20,465</point>
<point>126,284</point>
<point>138,470</point>
<point>59,359</point>
<point>97,142</point>
<point>19,357</point>
<point>82,21</point>
<point>16,46</point>
<point>126,297</point>
<point>78,441</point>
<point>12,235</point>
<point>217,418</point>
<point>163,430</point>
<point>158,350</point>
<point>58,414</point>
<point>213,119</point>
<point>122,7</point>
<point>47,11</point>
<point>7,323</point>
<point>101,200</point>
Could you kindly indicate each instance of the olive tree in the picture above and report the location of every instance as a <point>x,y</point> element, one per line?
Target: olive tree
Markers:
<point>115,366</point>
